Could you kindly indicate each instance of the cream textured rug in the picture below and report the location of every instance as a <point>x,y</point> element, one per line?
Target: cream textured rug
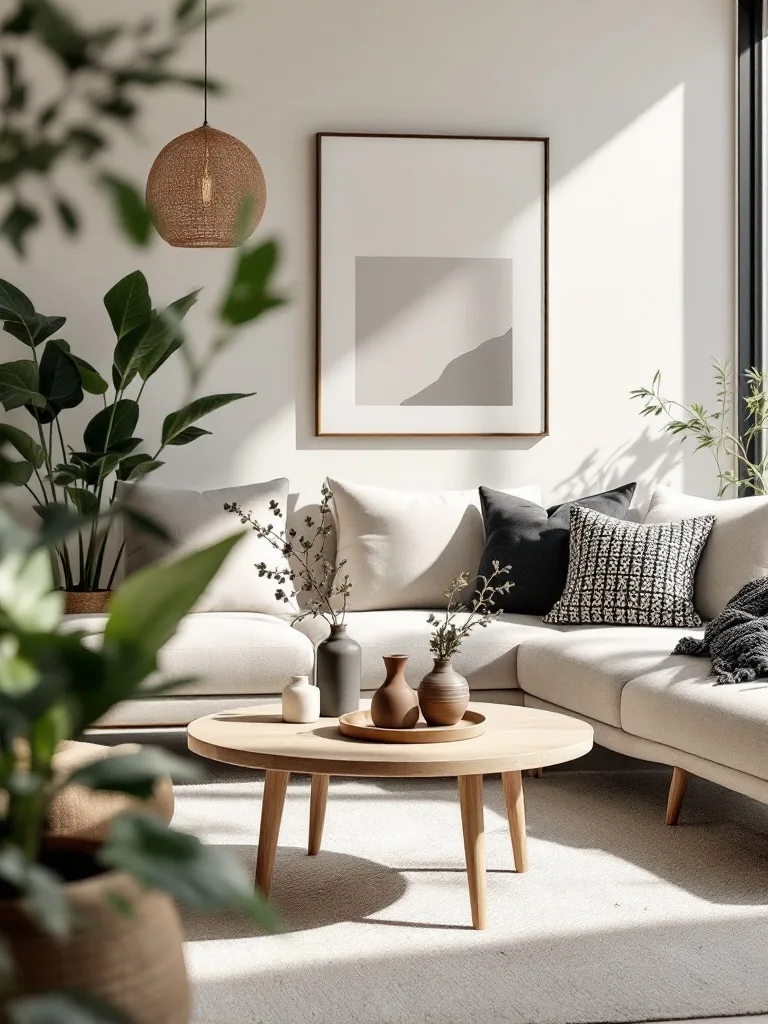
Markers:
<point>618,919</point>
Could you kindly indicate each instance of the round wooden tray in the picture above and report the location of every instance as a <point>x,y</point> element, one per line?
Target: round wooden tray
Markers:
<point>359,726</point>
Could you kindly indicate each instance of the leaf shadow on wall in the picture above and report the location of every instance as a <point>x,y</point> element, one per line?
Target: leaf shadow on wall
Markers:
<point>650,458</point>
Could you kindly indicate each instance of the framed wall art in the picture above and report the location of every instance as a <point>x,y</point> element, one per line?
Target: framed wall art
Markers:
<point>431,286</point>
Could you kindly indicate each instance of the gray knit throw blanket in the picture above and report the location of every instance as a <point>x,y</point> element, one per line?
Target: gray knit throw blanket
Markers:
<point>737,640</point>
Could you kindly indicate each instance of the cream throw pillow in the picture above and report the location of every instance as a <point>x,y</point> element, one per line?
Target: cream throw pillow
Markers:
<point>194,519</point>
<point>737,549</point>
<point>403,548</point>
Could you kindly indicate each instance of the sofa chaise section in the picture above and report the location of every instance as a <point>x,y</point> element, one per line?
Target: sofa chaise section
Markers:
<point>646,703</point>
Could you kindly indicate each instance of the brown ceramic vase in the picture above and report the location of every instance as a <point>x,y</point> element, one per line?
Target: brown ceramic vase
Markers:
<point>86,602</point>
<point>395,704</point>
<point>443,694</point>
<point>133,963</point>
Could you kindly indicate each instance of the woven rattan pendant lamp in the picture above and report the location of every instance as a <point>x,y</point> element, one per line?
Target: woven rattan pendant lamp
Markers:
<point>206,189</point>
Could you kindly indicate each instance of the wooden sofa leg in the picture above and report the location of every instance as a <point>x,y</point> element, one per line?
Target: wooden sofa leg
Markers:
<point>677,790</point>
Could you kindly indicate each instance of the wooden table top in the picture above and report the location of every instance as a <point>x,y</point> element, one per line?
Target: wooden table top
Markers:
<point>515,738</point>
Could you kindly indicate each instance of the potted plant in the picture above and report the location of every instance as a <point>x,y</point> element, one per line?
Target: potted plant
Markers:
<point>90,934</point>
<point>83,476</point>
<point>443,693</point>
<point>337,658</point>
<point>737,465</point>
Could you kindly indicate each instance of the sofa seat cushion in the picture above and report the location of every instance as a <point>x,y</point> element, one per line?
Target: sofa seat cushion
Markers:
<point>586,668</point>
<point>679,704</point>
<point>487,658</point>
<point>225,652</point>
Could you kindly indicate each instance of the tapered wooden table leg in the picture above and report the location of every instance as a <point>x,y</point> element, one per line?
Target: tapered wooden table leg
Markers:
<point>512,783</point>
<point>275,786</point>
<point>471,800</point>
<point>317,802</point>
<point>677,790</point>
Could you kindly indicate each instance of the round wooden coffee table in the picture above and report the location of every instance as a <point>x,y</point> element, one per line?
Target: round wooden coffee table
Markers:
<point>515,739</point>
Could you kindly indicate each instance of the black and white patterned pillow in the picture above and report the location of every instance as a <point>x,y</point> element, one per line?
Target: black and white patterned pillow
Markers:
<point>630,574</point>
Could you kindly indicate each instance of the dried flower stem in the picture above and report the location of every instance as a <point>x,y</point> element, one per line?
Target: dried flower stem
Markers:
<point>318,576</point>
<point>447,637</point>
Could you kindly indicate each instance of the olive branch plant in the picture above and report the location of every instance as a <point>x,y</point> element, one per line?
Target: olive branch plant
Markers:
<point>447,634</point>
<point>324,580</point>
<point>713,429</point>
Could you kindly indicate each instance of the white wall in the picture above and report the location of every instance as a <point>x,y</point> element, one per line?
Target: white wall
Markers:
<point>637,97</point>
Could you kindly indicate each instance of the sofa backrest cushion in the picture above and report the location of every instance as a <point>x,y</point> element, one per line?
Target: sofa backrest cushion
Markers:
<point>193,519</point>
<point>534,541</point>
<point>737,549</point>
<point>403,548</point>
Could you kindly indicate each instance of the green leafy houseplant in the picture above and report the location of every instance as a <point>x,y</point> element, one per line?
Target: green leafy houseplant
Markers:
<point>104,71</point>
<point>327,586</point>
<point>52,688</point>
<point>83,478</point>
<point>713,429</point>
<point>451,629</point>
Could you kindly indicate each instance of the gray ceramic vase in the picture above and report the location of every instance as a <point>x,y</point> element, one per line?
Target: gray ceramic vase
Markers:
<point>443,694</point>
<point>338,662</point>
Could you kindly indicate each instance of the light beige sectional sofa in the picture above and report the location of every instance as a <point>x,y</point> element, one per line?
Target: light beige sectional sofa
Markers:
<point>640,699</point>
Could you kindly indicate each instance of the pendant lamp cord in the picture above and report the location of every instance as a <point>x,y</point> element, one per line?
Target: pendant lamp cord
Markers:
<point>205,64</point>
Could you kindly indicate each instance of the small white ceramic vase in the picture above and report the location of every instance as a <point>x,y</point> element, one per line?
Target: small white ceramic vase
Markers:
<point>301,701</point>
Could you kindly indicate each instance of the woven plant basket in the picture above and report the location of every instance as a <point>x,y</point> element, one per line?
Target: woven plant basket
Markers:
<point>86,602</point>
<point>135,964</point>
<point>197,187</point>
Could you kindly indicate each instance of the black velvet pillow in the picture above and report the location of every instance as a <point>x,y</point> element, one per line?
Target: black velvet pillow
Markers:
<point>534,541</point>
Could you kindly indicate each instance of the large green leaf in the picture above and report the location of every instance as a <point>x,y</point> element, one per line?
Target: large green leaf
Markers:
<point>177,422</point>
<point>249,293</point>
<point>134,467</point>
<point>26,590</point>
<point>128,304</point>
<point>86,502</point>
<point>165,336</point>
<point>135,774</point>
<point>87,683</point>
<point>19,385</point>
<point>25,445</point>
<point>188,435</point>
<point>59,377</point>
<point>100,468</point>
<point>21,319</point>
<point>90,378</point>
<point>47,897</point>
<point>126,445</point>
<point>42,327</point>
<point>63,1007</point>
<point>129,206</point>
<point>115,423</point>
<point>147,608</point>
<point>15,473</point>
<point>198,875</point>
<point>129,352</point>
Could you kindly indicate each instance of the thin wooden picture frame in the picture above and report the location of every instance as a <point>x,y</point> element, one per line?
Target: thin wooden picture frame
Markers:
<point>321,428</point>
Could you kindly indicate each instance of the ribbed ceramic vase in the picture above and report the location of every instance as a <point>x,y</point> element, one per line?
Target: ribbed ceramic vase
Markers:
<point>443,694</point>
<point>395,704</point>
<point>338,668</point>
